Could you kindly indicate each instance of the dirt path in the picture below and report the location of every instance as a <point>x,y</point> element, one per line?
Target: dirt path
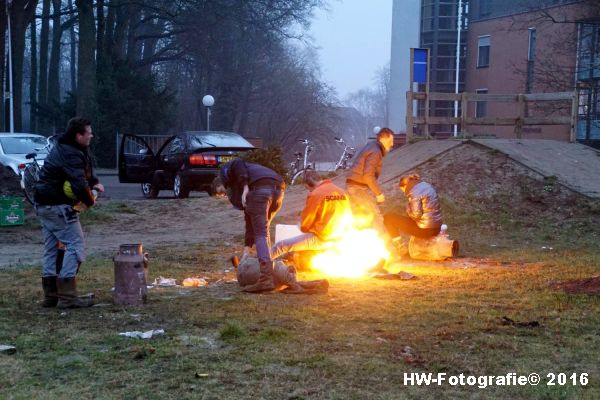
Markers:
<point>150,222</point>
<point>464,174</point>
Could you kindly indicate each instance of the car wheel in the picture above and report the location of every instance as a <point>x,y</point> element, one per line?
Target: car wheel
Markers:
<point>179,189</point>
<point>149,190</point>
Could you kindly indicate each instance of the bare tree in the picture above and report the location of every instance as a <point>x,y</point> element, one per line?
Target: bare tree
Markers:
<point>86,77</point>
<point>21,14</point>
<point>3,25</point>
<point>34,78</point>
<point>372,102</point>
<point>42,97</point>
<point>54,67</point>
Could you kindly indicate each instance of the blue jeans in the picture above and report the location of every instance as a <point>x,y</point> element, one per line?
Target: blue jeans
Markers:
<point>61,223</point>
<point>304,242</point>
<point>262,203</point>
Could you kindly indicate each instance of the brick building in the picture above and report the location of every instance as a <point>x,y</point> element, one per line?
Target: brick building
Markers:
<point>529,46</point>
<point>512,47</point>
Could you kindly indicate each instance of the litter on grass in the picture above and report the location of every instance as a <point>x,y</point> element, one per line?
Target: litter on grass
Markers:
<point>143,335</point>
<point>164,282</point>
<point>194,282</point>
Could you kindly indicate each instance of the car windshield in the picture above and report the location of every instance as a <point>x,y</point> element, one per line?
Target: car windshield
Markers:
<point>217,139</point>
<point>23,145</point>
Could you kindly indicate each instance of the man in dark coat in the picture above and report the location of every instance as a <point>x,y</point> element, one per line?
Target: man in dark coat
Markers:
<point>258,191</point>
<point>361,183</point>
<point>66,180</point>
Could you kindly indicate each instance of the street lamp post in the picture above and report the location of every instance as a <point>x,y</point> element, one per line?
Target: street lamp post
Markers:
<point>208,102</point>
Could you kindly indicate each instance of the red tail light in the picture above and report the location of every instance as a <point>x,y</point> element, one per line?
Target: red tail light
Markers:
<point>22,166</point>
<point>203,159</point>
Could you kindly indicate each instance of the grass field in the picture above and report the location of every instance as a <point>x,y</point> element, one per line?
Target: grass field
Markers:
<point>356,342</point>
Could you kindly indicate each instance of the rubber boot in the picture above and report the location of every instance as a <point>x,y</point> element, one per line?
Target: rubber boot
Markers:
<point>67,294</point>
<point>50,296</point>
<point>265,280</point>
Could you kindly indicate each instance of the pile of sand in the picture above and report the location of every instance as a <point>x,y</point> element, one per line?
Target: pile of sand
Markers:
<point>9,183</point>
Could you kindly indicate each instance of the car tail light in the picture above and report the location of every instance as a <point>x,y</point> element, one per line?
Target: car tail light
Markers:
<point>203,159</point>
<point>22,166</point>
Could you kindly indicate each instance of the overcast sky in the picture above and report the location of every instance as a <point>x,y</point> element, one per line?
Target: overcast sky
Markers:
<point>354,42</point>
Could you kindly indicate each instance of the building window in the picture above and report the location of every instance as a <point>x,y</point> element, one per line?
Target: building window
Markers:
<point>484,8</point>
<point>483,51</point>
<point>447,23</point>
<point>588,60</point>
<point>532,40</point>
<point>530,60</point>
<point>481,106</point>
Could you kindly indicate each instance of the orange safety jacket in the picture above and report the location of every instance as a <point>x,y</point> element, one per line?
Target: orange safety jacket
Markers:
<point>327,213</point>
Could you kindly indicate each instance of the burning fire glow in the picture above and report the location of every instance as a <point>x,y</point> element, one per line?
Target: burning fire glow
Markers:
<point>358,251</point>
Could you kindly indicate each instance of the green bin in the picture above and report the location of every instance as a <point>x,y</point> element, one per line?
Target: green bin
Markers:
<point>11,211</point>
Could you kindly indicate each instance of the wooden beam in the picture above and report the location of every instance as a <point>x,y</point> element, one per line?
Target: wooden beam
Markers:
<point>410,122</point>
<point>520,117</point>
<point>491,121</point>
<point>491,97</point>
<point>548,96</point>
<point>513,121</point>
<point>464,105</point>
<point>548,120</point>
<point>427,98</point>
<point>574,116</point>
<point>444,96</point>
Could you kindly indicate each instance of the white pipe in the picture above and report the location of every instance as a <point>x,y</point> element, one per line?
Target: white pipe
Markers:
<point>457,76</point>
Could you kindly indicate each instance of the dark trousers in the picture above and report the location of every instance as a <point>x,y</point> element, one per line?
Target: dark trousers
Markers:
<point>262,203</point>
<point>396,224</point>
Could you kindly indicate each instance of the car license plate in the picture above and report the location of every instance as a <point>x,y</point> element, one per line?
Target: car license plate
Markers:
<point>224,159</point>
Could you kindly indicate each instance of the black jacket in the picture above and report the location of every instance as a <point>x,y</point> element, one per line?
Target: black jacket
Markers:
<point>67,161</point>
<point>367,167</point>
<point>237,173</point>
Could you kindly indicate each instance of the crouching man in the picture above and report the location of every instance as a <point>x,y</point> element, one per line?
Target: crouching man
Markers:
<point>258,191</point>
<point>284,277</point>
<point>327,215</point>
<point>69,161</point>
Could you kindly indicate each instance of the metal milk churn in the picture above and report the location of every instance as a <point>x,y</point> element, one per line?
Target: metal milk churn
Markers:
<point>131,273</point>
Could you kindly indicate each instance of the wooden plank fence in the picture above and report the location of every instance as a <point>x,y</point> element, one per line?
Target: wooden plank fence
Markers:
<point>518,121</point>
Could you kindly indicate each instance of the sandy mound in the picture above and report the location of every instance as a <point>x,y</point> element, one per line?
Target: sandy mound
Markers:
<point>589,286</point>
<point>9,183</point>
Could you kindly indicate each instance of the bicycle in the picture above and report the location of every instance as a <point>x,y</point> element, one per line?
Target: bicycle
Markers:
<point>301,164</point>
<point>30,172</point>
<point>347,154</point>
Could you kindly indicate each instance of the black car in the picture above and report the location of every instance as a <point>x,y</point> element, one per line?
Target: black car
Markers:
<point>185,162</point>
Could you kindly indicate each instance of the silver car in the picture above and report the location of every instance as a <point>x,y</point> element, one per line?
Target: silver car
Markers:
<point>15,146</point>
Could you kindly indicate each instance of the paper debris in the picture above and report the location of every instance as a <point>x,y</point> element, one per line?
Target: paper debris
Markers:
<point>160,281</point>
<point>143,335</point>
<point>194,282</point>
<point>7,349</point>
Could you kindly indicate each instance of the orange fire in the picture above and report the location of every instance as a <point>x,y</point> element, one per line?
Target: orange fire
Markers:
<point>353,256</point>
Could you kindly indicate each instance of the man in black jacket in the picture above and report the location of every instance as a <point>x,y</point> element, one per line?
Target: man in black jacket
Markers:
<point>361,183</point>
<point>258,191</point>
<point>66,180</point>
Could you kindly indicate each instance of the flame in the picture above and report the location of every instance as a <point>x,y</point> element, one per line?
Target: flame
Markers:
<point>358,251</point>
